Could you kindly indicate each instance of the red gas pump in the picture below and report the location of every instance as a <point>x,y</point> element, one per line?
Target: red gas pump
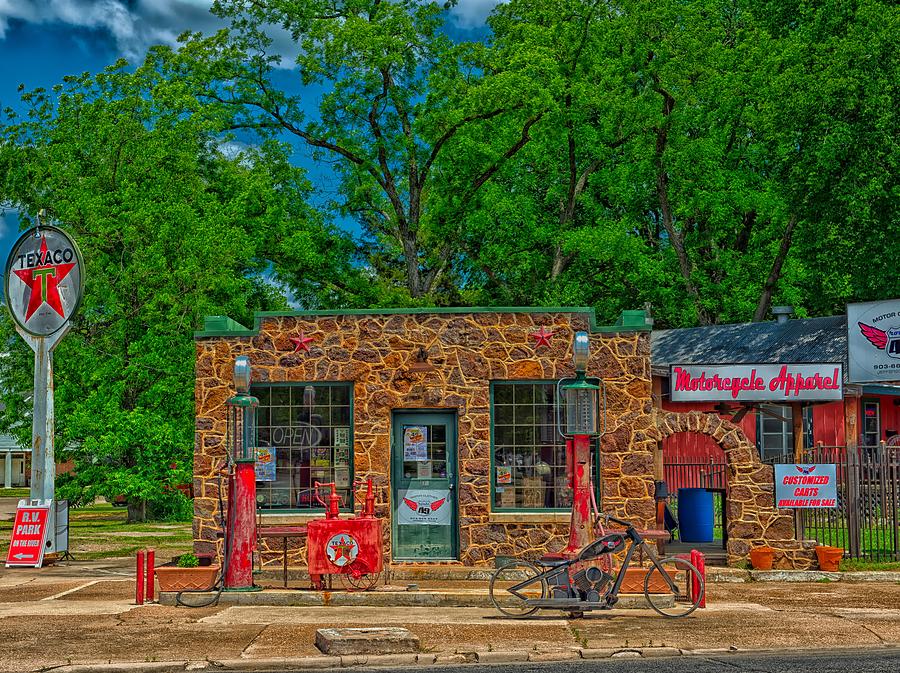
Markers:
<point>240,530</point>
<point>350,548</point>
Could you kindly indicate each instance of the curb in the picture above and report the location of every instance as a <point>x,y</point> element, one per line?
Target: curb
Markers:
<point>430,659</point>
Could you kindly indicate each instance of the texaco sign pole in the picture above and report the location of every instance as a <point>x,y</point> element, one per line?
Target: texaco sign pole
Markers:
<point>43,285</point>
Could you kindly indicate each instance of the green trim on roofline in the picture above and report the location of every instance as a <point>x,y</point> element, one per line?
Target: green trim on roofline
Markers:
<point>221,326</point>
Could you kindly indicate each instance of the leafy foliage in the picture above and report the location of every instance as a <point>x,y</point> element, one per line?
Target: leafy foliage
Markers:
<point>171,230</point>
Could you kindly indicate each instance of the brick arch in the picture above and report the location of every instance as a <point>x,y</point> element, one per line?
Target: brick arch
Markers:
<point>752,518</point>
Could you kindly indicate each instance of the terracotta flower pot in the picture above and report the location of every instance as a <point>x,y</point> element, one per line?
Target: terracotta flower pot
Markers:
<point>761,558</point>
<point>173,578</point>
<point>829,557</point>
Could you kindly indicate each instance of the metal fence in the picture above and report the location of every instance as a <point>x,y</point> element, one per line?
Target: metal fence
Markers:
<point>866,521</point>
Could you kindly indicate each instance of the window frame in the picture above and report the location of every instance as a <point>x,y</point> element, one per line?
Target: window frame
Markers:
<point>349,507</point>
<point>595,452</point>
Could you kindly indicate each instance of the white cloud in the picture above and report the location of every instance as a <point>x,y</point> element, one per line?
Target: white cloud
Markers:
<point>134,26</point>
<point>473,13</point>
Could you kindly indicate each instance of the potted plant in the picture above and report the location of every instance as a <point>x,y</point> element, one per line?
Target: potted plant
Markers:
<point>186,575</point>
<point>761,558</point>
<point>829,557</point>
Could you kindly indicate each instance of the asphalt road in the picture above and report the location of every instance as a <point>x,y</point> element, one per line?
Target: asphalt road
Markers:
<point>866,661</point>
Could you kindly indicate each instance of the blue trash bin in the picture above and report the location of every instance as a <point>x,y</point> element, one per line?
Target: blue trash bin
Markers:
<point>695,515</point>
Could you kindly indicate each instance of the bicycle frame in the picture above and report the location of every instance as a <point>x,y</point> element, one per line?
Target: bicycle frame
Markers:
<point>610,597</point>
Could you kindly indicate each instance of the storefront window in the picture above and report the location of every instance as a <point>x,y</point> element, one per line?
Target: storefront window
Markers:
<point>308,428</point>
<point>871,423</point>
<point>775,431</point>
<point>529,456</point>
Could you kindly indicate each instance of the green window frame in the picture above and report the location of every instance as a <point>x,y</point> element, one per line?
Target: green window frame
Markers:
<point>310,426</point>
<point>528,455</point>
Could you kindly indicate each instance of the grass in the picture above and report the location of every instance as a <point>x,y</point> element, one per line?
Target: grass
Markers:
<point>100,531</point>
<point>14,493</point>
<point>859,564</point>
<point>872,540</point>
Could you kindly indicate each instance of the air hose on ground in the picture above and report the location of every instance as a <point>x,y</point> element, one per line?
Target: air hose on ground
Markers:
<point>227,532</point>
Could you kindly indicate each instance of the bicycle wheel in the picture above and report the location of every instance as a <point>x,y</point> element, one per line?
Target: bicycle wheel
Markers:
<point>671,594</point>
<point>514,583</point>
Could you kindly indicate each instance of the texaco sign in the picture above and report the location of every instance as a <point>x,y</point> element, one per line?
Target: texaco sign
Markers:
<point>43,281</point>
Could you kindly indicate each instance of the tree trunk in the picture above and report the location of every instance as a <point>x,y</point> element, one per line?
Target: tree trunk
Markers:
<point>137,511</point>
<point>775,274</point>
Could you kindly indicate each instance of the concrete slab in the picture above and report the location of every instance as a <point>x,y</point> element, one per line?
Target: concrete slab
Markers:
<point>58,608</point>
<point>357,615</point>
<point>366,640</point>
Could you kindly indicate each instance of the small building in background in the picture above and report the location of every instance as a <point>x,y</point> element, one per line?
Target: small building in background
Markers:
<point>14,463</point>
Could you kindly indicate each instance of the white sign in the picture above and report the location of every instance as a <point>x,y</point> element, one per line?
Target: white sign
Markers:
<point>806,486</point>
<point>415,443</point>
<point>43,283</point>
<point>424,508</point>
<point>873,341</point>
<point>756,383</point>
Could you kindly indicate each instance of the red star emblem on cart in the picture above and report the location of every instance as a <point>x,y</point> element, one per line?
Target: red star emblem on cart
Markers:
<point>302,342</point>
<point>43,281</point>
<point>541,337</point>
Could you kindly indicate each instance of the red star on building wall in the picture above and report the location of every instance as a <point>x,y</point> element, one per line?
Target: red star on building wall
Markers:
<point>541,337</point>
<point>301,343</point>
<point>43,281</point>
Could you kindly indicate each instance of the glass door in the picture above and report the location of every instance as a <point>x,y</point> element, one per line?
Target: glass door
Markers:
<point>871,425</point>
<point>423,483</point>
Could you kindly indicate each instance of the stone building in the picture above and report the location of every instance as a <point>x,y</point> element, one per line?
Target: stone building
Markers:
<point>438,404</point>
<point>452,412</point>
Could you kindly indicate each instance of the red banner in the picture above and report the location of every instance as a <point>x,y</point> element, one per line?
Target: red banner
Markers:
<point>26,548</point>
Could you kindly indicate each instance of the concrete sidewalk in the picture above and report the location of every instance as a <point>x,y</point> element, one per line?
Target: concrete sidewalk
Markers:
<point>86,622</point>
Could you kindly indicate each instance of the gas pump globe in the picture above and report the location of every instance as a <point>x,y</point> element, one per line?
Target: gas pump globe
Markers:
<point>242,414</point>
<point>582,403</point>
<point>582,398</point>
<point>240,530</point>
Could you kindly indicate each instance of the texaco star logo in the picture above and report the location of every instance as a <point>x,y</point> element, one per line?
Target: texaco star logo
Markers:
<point>342,549</point>
<point>43,281</point>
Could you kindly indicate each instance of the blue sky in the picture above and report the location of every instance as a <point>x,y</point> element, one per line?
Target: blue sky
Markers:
<point>41,41</point>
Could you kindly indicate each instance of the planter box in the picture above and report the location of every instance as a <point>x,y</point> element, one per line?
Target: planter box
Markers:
<point>173,578</point>
<point>633,582</point>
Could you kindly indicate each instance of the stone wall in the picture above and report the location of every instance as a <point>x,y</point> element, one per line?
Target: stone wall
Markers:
<point>468,351</point>
<point>750,512</point>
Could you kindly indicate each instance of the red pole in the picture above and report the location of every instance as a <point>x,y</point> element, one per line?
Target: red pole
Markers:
<point>580,533</point>
<point>151,562</point>
<point>242,526</point>
<point>700,563</point>
<point>139,577</point>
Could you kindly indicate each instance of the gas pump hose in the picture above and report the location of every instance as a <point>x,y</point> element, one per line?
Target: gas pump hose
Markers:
<point>227,532</point>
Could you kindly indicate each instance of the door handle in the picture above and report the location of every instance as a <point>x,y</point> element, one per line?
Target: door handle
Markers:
<point>450,486</point>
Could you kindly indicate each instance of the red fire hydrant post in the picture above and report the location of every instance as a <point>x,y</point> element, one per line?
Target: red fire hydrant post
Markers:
<point>580,533</point>
<point>139,579</point>
<point>699,562</point>
<point>151,571</point>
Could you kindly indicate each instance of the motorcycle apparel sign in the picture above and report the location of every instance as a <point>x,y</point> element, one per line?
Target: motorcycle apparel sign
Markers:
<point>757,382</point>
<point>422,507</point>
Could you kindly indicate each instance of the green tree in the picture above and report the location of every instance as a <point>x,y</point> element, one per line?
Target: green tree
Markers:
<point>397,94</point>
<point>171,229</point>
